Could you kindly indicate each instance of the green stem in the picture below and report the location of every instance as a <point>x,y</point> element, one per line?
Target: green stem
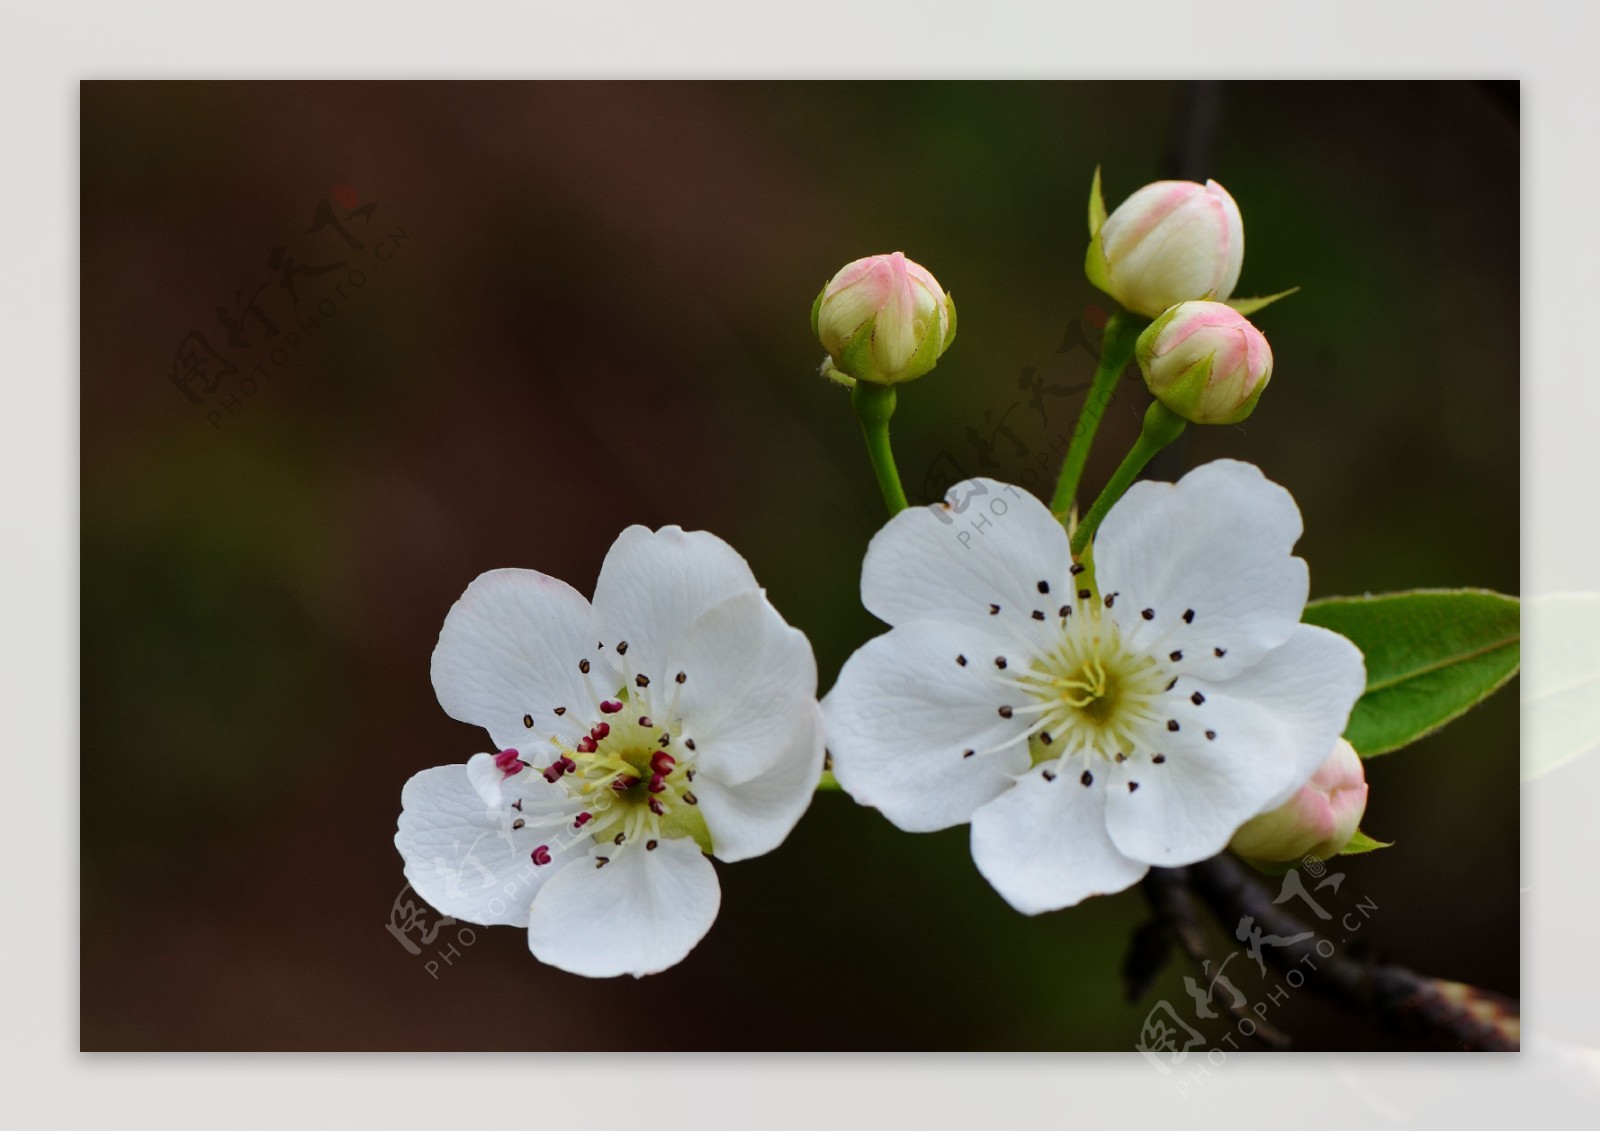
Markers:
<point>874,405</point>
<point>1161,427</point>
<point>1116,350</point>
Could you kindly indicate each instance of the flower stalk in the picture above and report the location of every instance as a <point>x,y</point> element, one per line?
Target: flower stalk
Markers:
<point>874,405</point>
<point>1161,427</point>
<point>1116,351</point>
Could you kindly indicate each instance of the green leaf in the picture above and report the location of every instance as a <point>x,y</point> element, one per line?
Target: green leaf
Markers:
<point>1361,843</point>
<point>1561,687</point>
<point>1431,656</point>
<point>1248,307</point>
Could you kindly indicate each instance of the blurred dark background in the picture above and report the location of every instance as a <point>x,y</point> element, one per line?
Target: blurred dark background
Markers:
<point>562,308</point>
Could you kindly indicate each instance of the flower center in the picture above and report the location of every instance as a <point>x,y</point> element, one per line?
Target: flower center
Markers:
<point>629,779</point>
<point>1091,691</point>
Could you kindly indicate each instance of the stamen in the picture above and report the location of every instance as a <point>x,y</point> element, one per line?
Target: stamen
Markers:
<point>610,707</point>
<point>599,731</point>
<point>527,721</point>
<point>1188,617</point>
<point>662,763</point>
<point>1044,587</point>
<point>622,648</point>
<point>541,855</point>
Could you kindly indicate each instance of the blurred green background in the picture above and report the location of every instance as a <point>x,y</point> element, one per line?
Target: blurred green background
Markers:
<point>585,305</point>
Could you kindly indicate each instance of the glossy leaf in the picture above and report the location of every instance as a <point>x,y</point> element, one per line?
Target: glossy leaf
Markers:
<point>1431,656</point>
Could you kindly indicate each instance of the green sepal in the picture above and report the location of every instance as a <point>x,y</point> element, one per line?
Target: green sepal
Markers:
<point>1095,266</point>
<point>950,310</point>
<point>1249,406</point>
<point>856,360</point>
<point>1248,307</point>
<point>1183,395</point>
<point>926,357</point>
<point>816,311</point>
<point>1361,843</point>
<point>1097,206</point>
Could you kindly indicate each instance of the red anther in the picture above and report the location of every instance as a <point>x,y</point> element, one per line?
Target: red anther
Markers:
<point>586,745</point>
<point>581,820</point>
<point>541,855</point>
<point>624,782</point>
<point>656,807</point>
<point>611,707</point>
<point>553,772</point>
<point>599,731</point>
<point>646,721</point>
<point>662,763</point>
<point>658,783</point>
<point>508,762</point>
<point>566,764</point>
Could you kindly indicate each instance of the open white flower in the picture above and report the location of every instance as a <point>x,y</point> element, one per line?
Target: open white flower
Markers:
<point>1089,733</point>
<point>673,718</point>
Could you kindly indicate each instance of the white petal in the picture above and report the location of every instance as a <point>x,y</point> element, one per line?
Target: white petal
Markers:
<point>753,817</point>
<point>1209,556</point>
<point>654,584</point>
<point>904,711</point>
<point>988,544</point>
<point>750,684</point>
<point>510,648</point>
<point>1043,844</point>
<point>639,914</point>
<point>1273,726</point>
<point>463,857</point>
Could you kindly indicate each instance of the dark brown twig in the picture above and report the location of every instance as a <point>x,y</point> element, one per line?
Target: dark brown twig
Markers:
<point>1402,1000</point>
<point>1174,903</point>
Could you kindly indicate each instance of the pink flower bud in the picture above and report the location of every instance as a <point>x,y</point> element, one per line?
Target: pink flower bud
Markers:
<point>1168,243</point>
<point>884,319</point>
<point>1205,362</point>
<point>1318,821</point>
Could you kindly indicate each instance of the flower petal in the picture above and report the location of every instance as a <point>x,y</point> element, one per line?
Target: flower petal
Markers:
<point>749,684</point>
<point>462,855</point>
<point>904,711</point>
<point>1247,747</point>
<point>1043,843</point>
<point>510,648</point>
<point>654,584</point>
<point>989,544</point>
<point>639,914</point>
<point>1209,558</point>
<point>753,817</point>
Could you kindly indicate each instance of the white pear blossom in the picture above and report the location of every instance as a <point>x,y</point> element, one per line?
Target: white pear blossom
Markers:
<point>675,717</point>
<point>1089,731</point>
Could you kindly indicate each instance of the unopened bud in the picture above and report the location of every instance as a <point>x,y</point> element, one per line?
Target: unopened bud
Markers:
<point>883,319</point>
<point>1205,362</point>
